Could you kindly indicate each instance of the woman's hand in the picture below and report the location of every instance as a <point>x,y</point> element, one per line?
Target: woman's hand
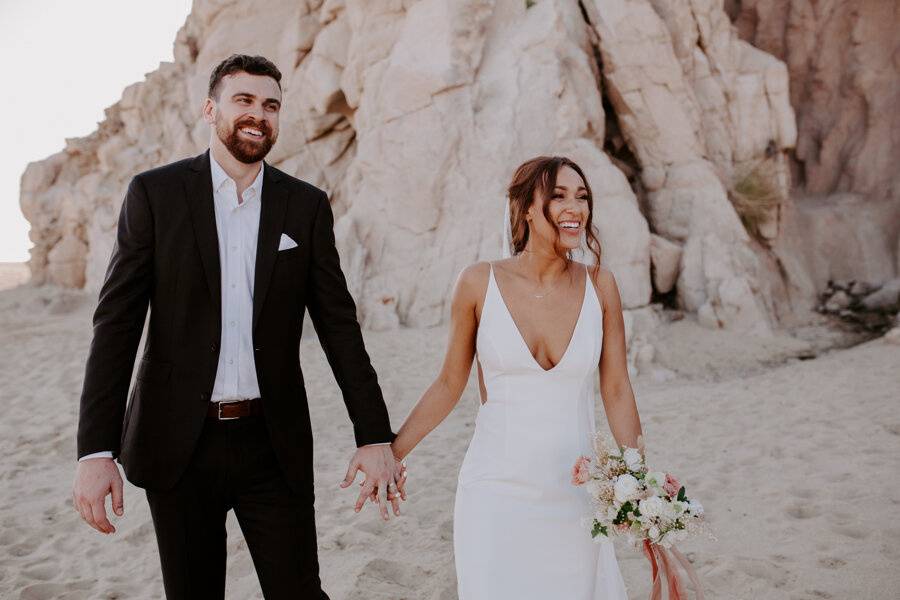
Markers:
<point>400,467</point>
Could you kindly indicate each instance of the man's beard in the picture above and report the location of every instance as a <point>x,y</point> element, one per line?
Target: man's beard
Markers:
<point>244,150</point>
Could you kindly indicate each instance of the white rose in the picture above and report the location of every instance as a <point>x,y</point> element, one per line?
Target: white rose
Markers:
<point>678,508</point>
<point>593,488</point>
<point>655,481</point>
<point>653,507</point>
<point>653,532</point>
<point>626,488</point>
<point>669,513</point>
<point>633,459</point>
<point>695,507</point>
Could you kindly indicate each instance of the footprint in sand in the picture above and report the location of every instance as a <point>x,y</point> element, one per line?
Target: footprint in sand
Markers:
<point>43,591</point>
<point>851,532</point>
<point>387,579</point>
<point>140,535</point>
<point>764,569</point>
<point>804,493</point>
<point>24,548</point>
<point>802,511</point>
<point>44,572</point>
<point>832,562</point>
<point>892,428</point>
<point>48,591</point>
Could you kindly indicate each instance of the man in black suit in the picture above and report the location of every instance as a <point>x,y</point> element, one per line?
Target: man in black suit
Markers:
<point>228,252</point>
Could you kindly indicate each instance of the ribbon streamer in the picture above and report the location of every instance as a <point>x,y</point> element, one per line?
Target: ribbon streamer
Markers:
<point>663,565</point>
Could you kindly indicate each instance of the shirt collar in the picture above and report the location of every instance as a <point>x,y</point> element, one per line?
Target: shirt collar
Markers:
<point>220,178</point>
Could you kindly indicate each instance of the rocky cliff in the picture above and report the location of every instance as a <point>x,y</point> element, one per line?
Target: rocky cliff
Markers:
<point>413,115</point>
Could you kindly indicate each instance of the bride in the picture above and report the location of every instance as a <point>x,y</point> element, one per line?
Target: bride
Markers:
<point>541,326</point>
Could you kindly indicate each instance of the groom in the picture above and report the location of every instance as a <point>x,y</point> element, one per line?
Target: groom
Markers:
<point>228,252</point>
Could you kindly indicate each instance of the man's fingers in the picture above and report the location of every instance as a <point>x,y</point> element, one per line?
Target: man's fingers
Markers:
<point>79,506</point>
<point>87,513</point>
<point>351,475</point>
<point>395,503</point>
<point>118,497</point>
<point>367,489</point>
<point>382,500</point>
<point>84,509</point>
<point>101,523</point>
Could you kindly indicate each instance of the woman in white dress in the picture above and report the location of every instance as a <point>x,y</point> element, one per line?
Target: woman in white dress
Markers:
<point>542,325</point>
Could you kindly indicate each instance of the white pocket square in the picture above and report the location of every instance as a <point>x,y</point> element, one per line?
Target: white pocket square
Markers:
<point>286,243</point>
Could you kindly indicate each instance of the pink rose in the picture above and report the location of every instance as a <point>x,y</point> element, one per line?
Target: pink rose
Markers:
<point>580,472</point>
<point>671,486</point>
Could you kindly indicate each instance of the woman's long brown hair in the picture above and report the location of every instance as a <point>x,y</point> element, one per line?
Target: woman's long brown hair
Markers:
<point>539,174</point>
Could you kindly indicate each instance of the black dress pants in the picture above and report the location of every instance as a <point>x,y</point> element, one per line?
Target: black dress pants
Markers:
<point>234,467</point>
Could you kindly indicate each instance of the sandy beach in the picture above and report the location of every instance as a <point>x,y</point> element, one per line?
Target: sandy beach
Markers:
<point>795,461</point>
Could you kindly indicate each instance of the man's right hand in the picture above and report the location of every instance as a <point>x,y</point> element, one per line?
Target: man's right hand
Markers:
<point>95,478</point>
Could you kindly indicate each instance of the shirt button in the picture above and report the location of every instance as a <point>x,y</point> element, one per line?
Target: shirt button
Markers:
<point>233,286</point>
<point>230,361</point>
<point>232,323</point>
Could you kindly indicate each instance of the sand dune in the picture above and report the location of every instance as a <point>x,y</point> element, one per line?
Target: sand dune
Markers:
<point>796,462</point>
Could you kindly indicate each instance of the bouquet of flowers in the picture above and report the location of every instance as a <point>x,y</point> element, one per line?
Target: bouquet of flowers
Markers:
<point>649,508</point>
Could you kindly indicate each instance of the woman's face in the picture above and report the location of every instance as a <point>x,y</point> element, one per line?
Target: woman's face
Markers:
<point>568,210</point>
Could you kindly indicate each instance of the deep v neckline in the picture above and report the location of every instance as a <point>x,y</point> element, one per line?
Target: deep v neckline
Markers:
<point>518,331</point>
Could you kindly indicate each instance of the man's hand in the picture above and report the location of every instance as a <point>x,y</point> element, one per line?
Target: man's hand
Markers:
<point>94,479</point>
<point>383,474</point>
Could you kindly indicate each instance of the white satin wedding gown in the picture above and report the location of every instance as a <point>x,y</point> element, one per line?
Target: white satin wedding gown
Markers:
<point>521,529</point>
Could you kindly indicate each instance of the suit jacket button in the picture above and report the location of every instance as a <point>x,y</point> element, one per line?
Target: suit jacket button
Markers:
<point>214,347</point>
<point>203,395</point>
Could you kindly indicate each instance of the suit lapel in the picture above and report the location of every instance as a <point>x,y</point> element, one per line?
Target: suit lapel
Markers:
<point>198,187</point>
<point>271,224</point>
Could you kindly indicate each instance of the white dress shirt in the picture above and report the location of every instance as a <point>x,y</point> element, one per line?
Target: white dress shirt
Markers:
<point>237,225</point>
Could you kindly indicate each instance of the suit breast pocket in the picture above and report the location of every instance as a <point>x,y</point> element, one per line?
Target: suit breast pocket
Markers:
<point>291,254</point>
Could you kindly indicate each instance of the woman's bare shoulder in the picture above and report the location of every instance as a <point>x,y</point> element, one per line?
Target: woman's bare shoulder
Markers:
<point>472,282</point>
<point>605,283</point>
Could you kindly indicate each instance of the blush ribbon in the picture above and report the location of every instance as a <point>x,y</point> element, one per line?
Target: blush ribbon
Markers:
<point>663,565</point>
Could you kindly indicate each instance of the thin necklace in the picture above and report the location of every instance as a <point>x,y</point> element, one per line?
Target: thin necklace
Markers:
<point>554,286</point>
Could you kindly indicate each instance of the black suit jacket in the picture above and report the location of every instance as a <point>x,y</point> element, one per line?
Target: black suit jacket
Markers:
<point>167,256</point>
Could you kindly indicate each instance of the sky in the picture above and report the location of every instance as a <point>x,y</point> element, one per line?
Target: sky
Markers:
<point>65,62</point>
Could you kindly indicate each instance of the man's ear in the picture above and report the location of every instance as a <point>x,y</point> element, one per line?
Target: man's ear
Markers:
<point>209,111</point>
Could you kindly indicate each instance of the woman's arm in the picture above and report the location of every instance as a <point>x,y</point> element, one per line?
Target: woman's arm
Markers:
<point>445,391</point>
<point>615,387</point>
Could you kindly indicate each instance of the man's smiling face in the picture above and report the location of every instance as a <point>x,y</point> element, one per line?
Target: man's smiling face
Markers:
<point>245,113</point>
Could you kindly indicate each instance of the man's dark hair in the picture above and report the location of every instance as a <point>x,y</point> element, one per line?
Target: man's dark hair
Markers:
<point>236,63</point>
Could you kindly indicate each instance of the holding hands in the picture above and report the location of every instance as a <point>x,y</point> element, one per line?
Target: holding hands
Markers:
<point>385,478</point>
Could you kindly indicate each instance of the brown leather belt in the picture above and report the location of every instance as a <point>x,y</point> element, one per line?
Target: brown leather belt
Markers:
<point>228,410</point>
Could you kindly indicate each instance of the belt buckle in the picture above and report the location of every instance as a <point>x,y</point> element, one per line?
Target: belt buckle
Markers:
<point>219,409</point>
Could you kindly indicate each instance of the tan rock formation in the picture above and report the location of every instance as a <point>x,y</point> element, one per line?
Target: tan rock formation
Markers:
<point>413,115</point>
<point>842,58</point>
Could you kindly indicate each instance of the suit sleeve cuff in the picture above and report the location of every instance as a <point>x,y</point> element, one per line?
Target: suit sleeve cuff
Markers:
<point>103,454</point>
